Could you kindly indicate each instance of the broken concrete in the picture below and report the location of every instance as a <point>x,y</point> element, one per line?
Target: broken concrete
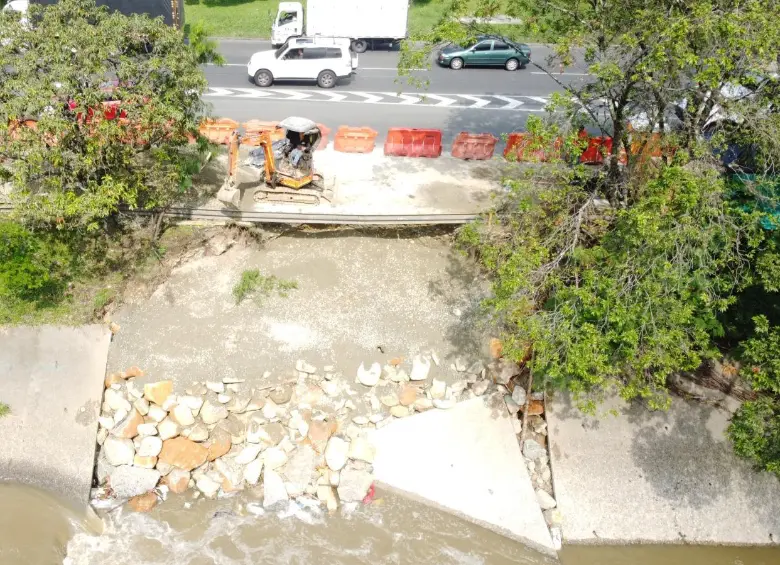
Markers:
<point>657,477</point>
<point>52,378</point>
<point>465,460</point>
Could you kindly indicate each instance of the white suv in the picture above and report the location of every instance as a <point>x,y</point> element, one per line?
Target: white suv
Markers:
<point>321,59</point>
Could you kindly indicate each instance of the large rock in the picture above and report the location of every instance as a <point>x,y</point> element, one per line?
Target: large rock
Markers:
<point>408,395</point>
<point>274,491</point>
<point>336,453</point>
<point>183,453</point>
<point>208,486</point>
<point>232,474</point>
<point>150,446</point>
<point>281,394</point>
<point>438,389</point>
<point>127,481</point>
<point>354,484</point>
<point>299,469</point>
<point>218,444</point>
<point>533,450</point>
<point>183,415</point>
<point>236,427</point>
<point>118,451</point>
<point>199,432</point>
<point>273,458</point>
<point>212,413</point>
<point>127,428</point>
<point>157,413</point>
<point>116,401</point>
<point>327,495</point>
<point>267,434</point>
<point>143,502</point>
<point>546,502</point>
<point>421,366</point>
<point>370,376</point>
<point>248,454</point>
<point>253,470</point>
<point>178,480</point>
<point>194,403</point>
<point>168,429</point>
<point>158,392</point>
<point>361,449</point>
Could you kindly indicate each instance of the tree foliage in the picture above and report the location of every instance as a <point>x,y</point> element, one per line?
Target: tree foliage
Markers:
<point>80,161</point>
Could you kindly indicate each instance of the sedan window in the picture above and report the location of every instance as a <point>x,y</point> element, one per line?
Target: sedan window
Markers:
<point>500,46</point>
<point>484,46</point>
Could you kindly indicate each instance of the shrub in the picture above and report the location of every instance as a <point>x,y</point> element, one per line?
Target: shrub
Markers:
<point>33,267</point>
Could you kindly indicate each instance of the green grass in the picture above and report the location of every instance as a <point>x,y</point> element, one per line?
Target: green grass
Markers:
<point>253,18</point>
<point>5,410</point>
<point>252,283</point>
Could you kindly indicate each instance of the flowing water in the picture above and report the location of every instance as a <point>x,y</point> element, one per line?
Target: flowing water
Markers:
<point>38,529</point>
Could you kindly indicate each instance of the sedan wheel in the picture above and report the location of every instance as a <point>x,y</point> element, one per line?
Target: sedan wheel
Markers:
<point>512,65</point>
<point>264,78</point>
<point>456,64</point>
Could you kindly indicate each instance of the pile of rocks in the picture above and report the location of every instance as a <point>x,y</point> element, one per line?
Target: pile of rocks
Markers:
<point>534,441</point>
<point>310,435</point>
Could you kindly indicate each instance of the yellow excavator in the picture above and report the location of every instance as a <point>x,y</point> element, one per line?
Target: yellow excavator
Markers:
<point>279,169</point>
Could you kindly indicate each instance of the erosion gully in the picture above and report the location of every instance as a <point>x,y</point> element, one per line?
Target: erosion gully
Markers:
<point>37,528</point>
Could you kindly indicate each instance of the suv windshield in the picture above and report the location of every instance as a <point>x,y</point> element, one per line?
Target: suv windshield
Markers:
<point>280,50</point>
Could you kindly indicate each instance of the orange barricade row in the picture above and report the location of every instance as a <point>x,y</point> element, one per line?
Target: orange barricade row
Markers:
<point>354,140</point>
<point>477,146</point>
<point>411,142</point>
<point>218,131</point>
<point>523,147</point>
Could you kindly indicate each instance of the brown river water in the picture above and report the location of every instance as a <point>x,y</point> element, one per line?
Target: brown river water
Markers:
<point>38,529</point>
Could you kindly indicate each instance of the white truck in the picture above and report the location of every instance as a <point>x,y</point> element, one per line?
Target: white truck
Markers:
<point>364,22</point>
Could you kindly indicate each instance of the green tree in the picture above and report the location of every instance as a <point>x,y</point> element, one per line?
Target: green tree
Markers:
<point>82,161</point>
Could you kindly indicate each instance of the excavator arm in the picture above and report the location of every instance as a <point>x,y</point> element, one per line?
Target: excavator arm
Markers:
<point>229,192</point>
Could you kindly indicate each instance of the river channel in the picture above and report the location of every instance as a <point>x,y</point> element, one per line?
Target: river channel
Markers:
<point>38,529</point>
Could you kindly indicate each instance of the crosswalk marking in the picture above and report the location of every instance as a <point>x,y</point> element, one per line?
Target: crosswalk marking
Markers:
<point>517,103</point>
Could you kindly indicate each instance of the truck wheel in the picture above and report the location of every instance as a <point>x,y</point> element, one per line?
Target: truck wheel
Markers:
<point>327,79</point>
<point>360,46</point>
<point>264,78</point>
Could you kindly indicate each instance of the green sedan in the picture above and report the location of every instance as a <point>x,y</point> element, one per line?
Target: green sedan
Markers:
<point>487,51</point>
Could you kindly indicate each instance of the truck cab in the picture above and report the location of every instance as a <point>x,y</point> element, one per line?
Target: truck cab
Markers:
<point>288,23</point>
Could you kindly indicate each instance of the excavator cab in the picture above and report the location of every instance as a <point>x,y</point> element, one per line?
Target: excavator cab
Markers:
<point>279,169</point>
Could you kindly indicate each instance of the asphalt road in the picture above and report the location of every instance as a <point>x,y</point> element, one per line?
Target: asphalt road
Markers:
<point>478,100</point>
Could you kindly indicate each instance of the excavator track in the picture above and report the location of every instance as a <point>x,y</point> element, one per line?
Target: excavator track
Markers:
<point>313,194</point>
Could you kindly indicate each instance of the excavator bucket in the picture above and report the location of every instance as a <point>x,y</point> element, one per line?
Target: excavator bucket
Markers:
<point>229,195</point>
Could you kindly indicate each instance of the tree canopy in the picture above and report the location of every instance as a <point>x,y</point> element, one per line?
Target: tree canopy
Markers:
<point>616,278</point>
<point>96,111</point>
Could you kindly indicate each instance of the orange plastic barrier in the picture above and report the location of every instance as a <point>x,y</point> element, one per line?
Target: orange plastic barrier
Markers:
<point>411,142</point>
<point>218,131</point>
<point>596,150</point>
<point>477,146</point>
<point>354,140</point>
<point>325,131</point>
<point>523,147</point>
<point>254,127</point>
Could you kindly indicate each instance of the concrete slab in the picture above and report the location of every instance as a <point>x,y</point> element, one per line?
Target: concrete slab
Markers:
<point>467,461</point>
<point>52,378</point>
<point>657,478</point>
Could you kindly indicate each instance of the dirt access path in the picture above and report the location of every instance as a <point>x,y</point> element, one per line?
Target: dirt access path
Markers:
<point>360,297</point>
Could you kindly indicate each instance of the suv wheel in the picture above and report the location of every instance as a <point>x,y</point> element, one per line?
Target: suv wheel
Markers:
<point>360,46</point>
<point>456,64</point>
<point>326,79</point>
<point>512,65</point>
<point>264,78</point>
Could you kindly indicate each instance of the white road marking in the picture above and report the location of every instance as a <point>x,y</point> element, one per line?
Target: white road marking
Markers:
<point>369,98</point>
<point>295,94</point>
<point>421,100</point>
<point>512,103</point>
<point>443,100</point>
<point>480,102</point>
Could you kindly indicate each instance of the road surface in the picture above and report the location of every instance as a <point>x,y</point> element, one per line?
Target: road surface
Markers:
<point>474,100</point>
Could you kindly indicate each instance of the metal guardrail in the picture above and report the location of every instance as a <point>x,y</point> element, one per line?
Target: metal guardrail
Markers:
<point>225,214</point>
